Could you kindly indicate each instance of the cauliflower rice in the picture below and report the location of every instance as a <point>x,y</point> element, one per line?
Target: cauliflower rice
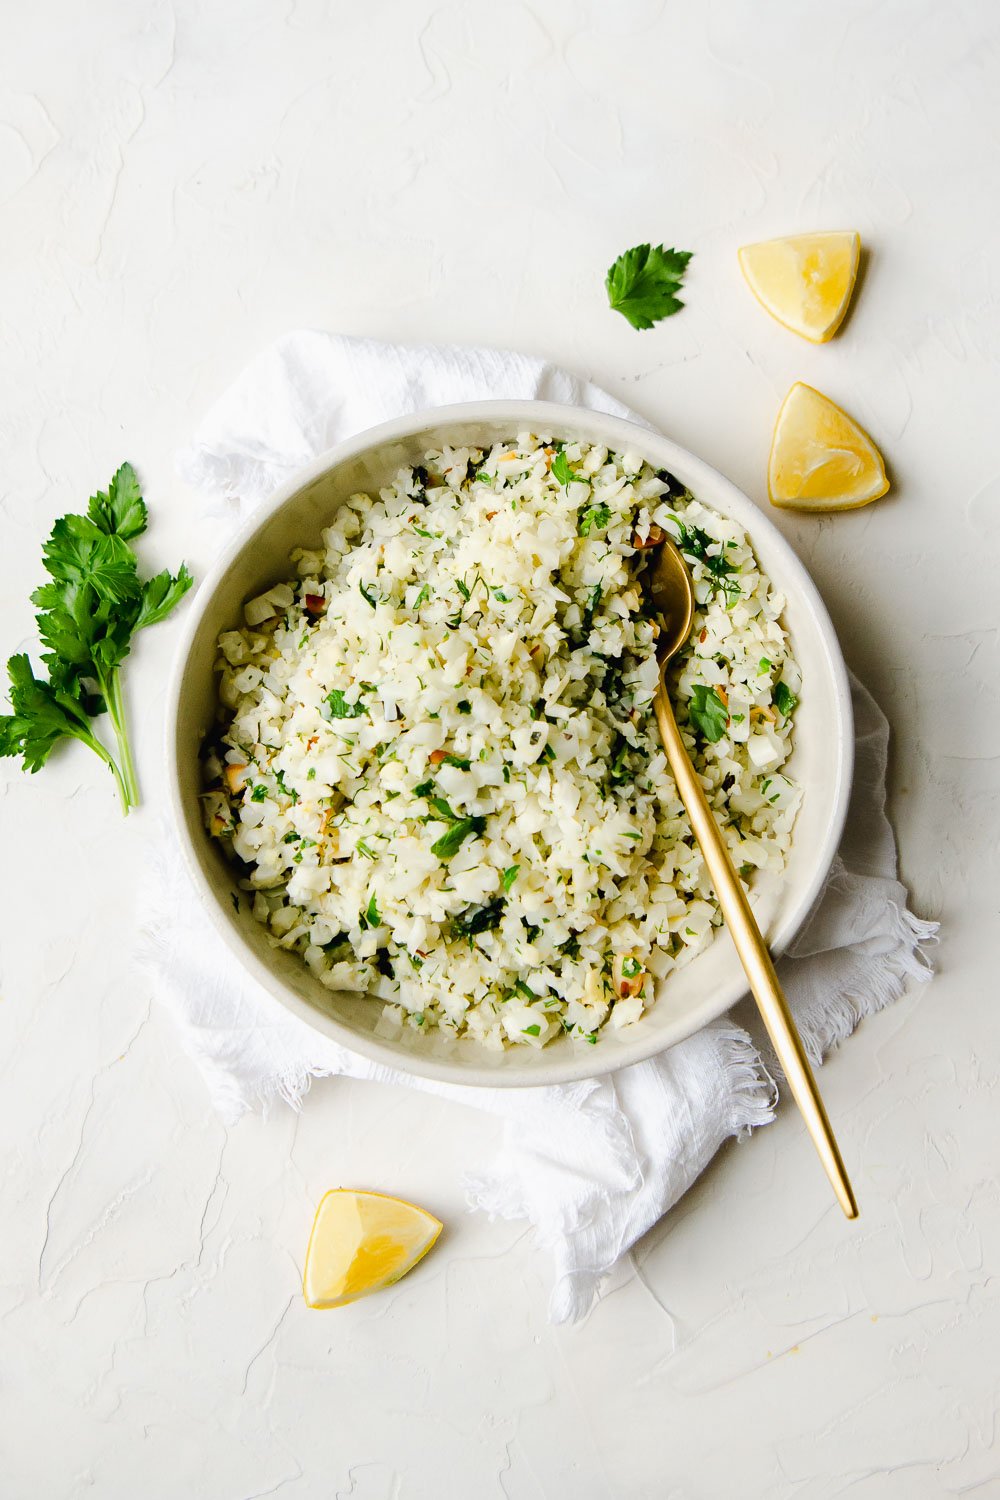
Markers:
<point>437,767</point>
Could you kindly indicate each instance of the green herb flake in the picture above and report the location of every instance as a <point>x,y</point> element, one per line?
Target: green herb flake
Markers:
<point>368,595</point>
<point>449,843</point>
<point>339,708</point>
<point>534,1030</point>
<point>524,990</point>
<point>259,792</point>
<point>707,713</point>
<point>424,789</point>
<point>464,706</point>
<point>784,699</point>
<point>561,470</point>
<point>594,518</point>
<point>509,876</point>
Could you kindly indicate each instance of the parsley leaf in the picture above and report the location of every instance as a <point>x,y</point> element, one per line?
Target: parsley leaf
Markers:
<point>449,843</point>
<point>339,709</point>
<point>478,919</point>
<point>561,470</point>
<point>594,518</point>
<point>90,609</point>
<point>509,876</point>
<point>643,283</point>
<point>122,511</point>
<point>784,699</point>
<point>707,713</point>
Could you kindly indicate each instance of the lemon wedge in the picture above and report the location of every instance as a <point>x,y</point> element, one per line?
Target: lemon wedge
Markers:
<point>820,458</point>
<point>804,281</point>
<point>362,1242</point>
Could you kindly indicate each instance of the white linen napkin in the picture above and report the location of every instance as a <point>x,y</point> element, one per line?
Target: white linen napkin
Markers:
<point>592,1165</point>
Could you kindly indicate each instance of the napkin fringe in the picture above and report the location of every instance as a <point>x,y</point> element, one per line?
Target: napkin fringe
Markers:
<point>831,1020</point>
<point>753,1093</point>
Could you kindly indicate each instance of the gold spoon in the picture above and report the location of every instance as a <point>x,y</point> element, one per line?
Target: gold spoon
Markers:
<point>669,587</point>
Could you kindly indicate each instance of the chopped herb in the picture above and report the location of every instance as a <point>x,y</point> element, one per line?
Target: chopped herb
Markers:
<point>531,1030</point>
<point>784,699</point>
<point>370,918</point>
<point>505,772</point>
<point>425,593</point>
<point>594,518</point>
<point>464,706</point>
<point>525,991</point>
<point>631,967</point>
<point>478,919</point>
<point>288,791</point>
<point>502,597</point>
<point>483,477</point>
<point>339,708</point>
<point>363,848</point>
<point>449,843</point>
<point>311,774</point>
<point>431,535</point>
<point>561,469</point>
<point>291,837</point>
<point>368,595</point>
<point>707,713</point>
<point>444,810</point>
<point>763,666</point>
<point>458,761</point>
<point>259,792</point>
<point>571,947</point>
<point>424,789</point>
<point>463,588</point>
<point>643,283</point>
<point>548,754</point>
<point>509,876</point>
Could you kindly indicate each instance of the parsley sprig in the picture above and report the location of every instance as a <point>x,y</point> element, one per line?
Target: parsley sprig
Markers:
<point>90,610</point>
<point>643,283</point>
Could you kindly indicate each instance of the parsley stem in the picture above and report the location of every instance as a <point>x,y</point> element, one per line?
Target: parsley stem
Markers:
<point>116,707</point>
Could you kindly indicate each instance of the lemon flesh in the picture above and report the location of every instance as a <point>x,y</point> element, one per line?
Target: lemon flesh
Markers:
<point>361,1242</point>
<point>821,460</point>
<point>805,281</point>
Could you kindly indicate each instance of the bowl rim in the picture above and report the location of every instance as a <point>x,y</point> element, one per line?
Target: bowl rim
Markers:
<point>621,432</point>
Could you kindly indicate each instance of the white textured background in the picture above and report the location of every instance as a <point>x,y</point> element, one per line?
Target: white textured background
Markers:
<point>177,185</point>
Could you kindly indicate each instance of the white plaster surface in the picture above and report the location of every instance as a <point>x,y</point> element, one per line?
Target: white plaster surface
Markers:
<point>178,184</point>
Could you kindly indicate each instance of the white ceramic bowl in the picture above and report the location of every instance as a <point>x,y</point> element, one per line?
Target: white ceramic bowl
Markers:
<point>257,557</point>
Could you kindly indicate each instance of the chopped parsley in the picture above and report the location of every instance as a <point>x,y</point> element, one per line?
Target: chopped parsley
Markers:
<point>449,843</point>
<point>478,919</point>
<point>368,595</point>
<point>259,792</point>
<point>509,876</point>
<point>464,706</point>
<point>561,470</point>
<point>784,699</point>
<point>531,1030</point>
<point>339,708</point>
<point>370,918</point>
<point>707,713</point>
<point>594,518</point>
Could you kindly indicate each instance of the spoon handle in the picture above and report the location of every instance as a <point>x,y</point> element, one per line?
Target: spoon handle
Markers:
<point>753,954</point>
